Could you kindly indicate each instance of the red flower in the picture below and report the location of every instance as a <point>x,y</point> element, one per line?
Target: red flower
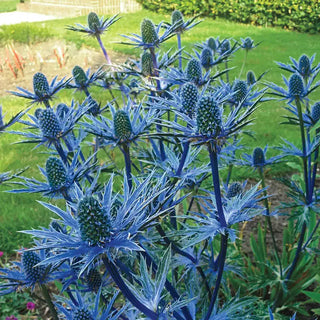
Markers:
<point>31,306</point>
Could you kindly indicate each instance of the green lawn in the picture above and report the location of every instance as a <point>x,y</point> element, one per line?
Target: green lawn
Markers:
<point>8,5</point>
<point>23,212</point>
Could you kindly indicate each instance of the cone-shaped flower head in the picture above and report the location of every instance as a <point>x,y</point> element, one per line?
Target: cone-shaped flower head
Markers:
<point>193,71</point>
<point>41,86</point>
<point>304,65</point>
<point>82,314</point>
<point>247,43</point>
<point>258,157</point>
<point>122,125</point>
<point>240,90</point>
<point>206,58</point>
<point>234,190</point>
<point>296,88</point>
<point>94,224</point>
<point>225,47</point>
<point>62,110</point>
<point>49,123</point>
<point>189,98</point>
<point>38,112</point>
<point>79,76</point>
<point>148,31</point>
<point>146,64</point>
<point>93,279</point>
<point>315,112</point>
<point>176,17</point>
<point>208,116</point>
<point>93,21</point>
<point>29,261</point>
<point>56,173</point>
<point>251,78</point>
<point>212,44</point>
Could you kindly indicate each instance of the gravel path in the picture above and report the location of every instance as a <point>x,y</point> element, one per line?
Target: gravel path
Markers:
<point>18,17</point>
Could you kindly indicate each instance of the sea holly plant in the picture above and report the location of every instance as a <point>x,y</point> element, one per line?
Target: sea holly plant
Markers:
<point>152,239</point>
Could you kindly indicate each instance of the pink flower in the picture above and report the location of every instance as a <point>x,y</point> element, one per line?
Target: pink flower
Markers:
<point>31,306</point>
<point>1,253</point>
<point>11,318</point>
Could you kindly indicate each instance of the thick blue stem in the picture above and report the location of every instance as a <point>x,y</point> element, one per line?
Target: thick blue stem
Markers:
<point>103,49</point>
<point>222,259</point>
<point>61,152</point>
<point>179,48</point>
<point>216,182</point>
<point>183,158</point>
<point>126,152</point>
<point>111,268</point>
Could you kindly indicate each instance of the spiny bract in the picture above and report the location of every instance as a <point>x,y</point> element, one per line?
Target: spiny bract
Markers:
<point>94,107</point>
<point>251,78</point>
<point>56,173</point>
<point>79,76</point>
<point>189,98</point>
<point>304,65</point>
<point>41,85</point>
<point>208,116</point>
<point>122,125</point>
<point>212,44</point>
<point>148,32</point>
<point>234,190</point>
<point>258,157</point>
<point>94,224</point>
<point>194,72</point>
<point>296,88</point>
<point>225,47</point>
<point>93,21</point>
<point>29,261</point>
<point>315,112</point>
<point>240,90</point>
<point>62,110</point>
<point>82,314</point>
<point>206,58</point>
<point>49,123</point>
<point>146,64</point>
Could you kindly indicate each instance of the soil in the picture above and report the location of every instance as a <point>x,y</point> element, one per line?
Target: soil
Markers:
<point>18,63</point>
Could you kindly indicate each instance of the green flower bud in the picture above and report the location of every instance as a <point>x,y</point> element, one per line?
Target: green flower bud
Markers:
<point>148,32</point>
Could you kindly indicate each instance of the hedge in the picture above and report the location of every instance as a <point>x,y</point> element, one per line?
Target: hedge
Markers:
<point>301,15</point>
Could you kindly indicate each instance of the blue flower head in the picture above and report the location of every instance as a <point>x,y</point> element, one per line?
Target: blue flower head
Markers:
<point>251,78</point>
<point>189,98</point>
<point>315,112</point>
<point>56,173</point>
<point>296,87</point>
<point>240,89</point>
<point>193,71</point>
<point>206,58</point>
<point>148,32</point>
<point>248,44</point>
<point>33,272</point>
<point>122,125</point>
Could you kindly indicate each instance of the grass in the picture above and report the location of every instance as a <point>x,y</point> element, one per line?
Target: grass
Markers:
<point>8,5</point>
<point>23,212</point>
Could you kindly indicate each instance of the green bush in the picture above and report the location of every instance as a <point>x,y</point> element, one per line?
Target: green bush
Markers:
<point>301,15</point>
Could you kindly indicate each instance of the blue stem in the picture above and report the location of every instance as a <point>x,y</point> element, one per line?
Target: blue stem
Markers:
<point>179,48</point>
<point>315,166</point>
<point>61,152</point>
<point>126,152</point>
<point>223,253</point>
<point>311,235</point>
<point>111,268</point>
<point>216,182</point>
<point>103,49</point>
<point>183,158</point>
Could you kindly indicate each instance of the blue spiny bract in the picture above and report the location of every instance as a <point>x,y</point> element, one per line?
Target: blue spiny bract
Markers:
<point>56,173</point>
<point>315,112</point>
<point>234,190</point>
<point>33,273</point>
<point>206,58</point>
<point>251,78</point>
<point>41,86</point>
<point>93,279</point>
<point>296,87</point>
<point>240,90</point>
<point>189,98</point>
<point>225,47</point>
<point>212,44</point>
<point>258,157</point>
<point>62,110</point>
<point>122,125</point>
<point>304,65</point>
<point>80,77</point>
<point>146,64</point>
<point>94,224</point>
<point>82,314</point>
<point>49,123</point>
<point>193,71</point>
<point>247,43</point>
<point>148,32</point>
<point>93,21</point>
<point>208,116</point>
<point>94,108</point>
<point>116,205</point>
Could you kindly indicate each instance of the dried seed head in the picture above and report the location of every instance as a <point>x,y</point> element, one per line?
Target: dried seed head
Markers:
<point>122,125</point>
<point>56,173</point>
